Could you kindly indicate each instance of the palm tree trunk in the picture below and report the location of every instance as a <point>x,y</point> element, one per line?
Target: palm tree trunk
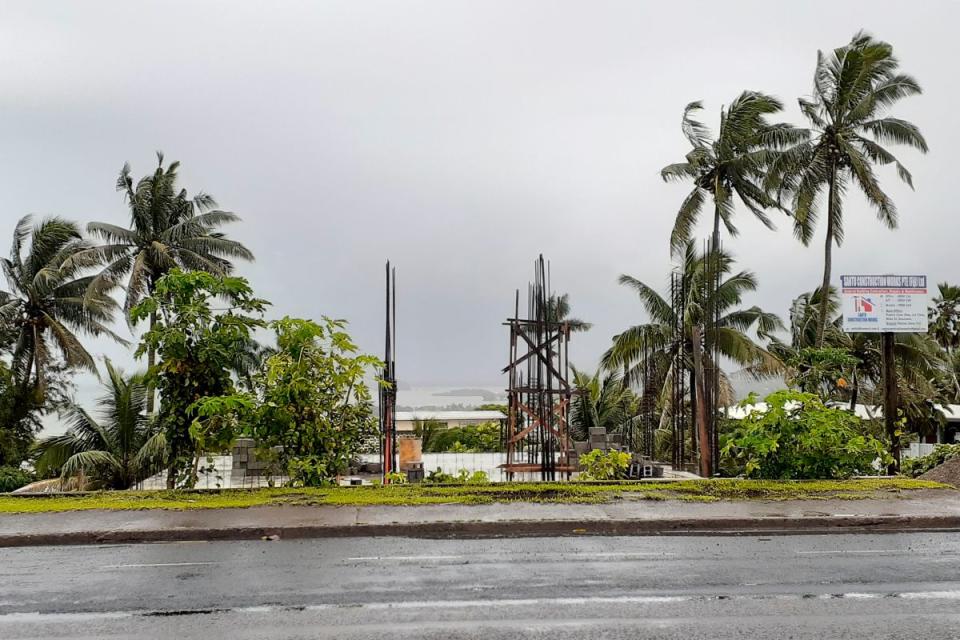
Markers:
<point>827,259</point>
<point>706,448</point>
<point>855,392</point>
<point>151,361</point>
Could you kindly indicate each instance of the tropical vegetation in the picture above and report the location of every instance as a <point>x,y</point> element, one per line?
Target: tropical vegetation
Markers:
<point>797,437</point>
<point>305,393</point>
<point>114,449</point>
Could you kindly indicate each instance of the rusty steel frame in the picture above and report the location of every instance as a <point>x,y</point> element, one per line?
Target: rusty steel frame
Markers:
<point>388,390</point>
<point>536,434</point>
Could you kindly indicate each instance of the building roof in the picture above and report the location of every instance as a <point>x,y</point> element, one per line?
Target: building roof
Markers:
<point>449,415</point>
<point>864,411</point>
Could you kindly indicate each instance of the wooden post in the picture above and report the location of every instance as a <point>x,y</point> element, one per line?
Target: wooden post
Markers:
<point>890,397</point>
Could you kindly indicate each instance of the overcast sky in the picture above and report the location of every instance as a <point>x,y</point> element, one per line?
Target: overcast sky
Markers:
<point>458,139</point>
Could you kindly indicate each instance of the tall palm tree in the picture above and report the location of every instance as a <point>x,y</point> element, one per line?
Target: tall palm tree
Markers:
<point>117,449</point>
<point>168,229</point>
<point>854,86</point>
<point>736,163</point>
<point>730,333</point>
<point>48,303</point>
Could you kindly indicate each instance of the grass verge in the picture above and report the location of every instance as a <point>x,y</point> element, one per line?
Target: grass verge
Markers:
<point>421,494</point>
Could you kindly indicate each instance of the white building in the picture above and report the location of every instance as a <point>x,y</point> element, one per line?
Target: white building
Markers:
<point>406,419</point>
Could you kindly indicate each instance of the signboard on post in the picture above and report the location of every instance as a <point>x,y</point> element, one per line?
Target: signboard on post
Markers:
<point>884,304</point>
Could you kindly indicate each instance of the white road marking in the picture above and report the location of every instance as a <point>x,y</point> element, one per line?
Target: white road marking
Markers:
<point>36,616</point>
<point>378,558</point>
<point>932,595</point>
<point>851,551</point>
<point>573,555</point>
<point>158,564</point>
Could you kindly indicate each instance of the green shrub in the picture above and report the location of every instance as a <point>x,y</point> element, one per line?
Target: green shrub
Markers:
<point>477,477</point>
<point>599,465</point>
<point>463,477</point>
<point>396,477</point>
<point>918,466</point>
<point>798,437</point>
<point>439,477</point>
<point>12,478</point>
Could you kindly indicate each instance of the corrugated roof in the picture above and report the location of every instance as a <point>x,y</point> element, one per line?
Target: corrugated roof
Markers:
<point>863,411</point>
<point>449,415</point>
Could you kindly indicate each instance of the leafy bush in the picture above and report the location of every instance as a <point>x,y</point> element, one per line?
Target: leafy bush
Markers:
<point>918,466</point>
<point>823,371</point>
<point>798,437</point>
<point>395,477</point>
<point>478,438</point>
<point>439,477</point>
<point>12,478</point>
<point>477,477</point>
<point>599,465</point>
<point>316,413</point>
<point>462,477</point>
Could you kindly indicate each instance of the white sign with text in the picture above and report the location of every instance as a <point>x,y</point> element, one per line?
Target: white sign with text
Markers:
<point>878,304</point>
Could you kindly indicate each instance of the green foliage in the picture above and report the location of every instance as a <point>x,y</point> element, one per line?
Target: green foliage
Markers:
<point>492,406</point>
<point>477,477</point>
<point>426,493</point>
<point>50,301</point>
<point>604,401</point>
<point>20,411</point>
<point>798,437</point>
<point>918,466</point>
<point>396,477</point>
<point>12,478</point>
<point>168,229</point>
<point>822,371</point>
<point>600,465</point>
<point>438,476</point>
<point>218,420</point>
<point>315,413</point>
<point>196,346</point>
<point>479,438</point>
<point>733,335</point>
<point>463,476</point>
<point>733,164</point>
<point>945,316</point>
<point>115,449</point>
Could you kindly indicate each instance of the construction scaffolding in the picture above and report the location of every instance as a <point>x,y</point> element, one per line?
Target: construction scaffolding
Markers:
<point>536,435</point>
<point>388,390</point>
<point>681,421</point>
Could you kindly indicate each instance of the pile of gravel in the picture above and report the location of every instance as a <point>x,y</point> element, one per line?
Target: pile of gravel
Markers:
<point>947,473</point>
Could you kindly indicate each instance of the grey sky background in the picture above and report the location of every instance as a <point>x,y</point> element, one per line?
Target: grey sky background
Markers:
<point>458,139</point>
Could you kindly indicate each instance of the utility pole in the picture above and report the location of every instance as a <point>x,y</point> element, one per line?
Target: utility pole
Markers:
<point>890,396</point>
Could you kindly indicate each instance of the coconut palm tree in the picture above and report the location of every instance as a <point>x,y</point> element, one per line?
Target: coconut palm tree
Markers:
<point>168,229</point>
<point>604,400</point>
<point>945,316</point>
<point>558,310</point>
<point>730,333</point>
<point>854,87</point>
<point>48,303</point>
<point>736,163</point>
<point>115,450</point>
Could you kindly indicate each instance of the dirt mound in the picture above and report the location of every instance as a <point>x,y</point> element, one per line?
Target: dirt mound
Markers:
<point>947,473</point>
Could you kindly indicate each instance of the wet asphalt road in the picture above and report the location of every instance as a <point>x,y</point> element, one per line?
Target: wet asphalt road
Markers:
<point>824,587</point>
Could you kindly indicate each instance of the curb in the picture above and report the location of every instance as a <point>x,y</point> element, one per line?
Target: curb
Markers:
<point>507,529</point>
